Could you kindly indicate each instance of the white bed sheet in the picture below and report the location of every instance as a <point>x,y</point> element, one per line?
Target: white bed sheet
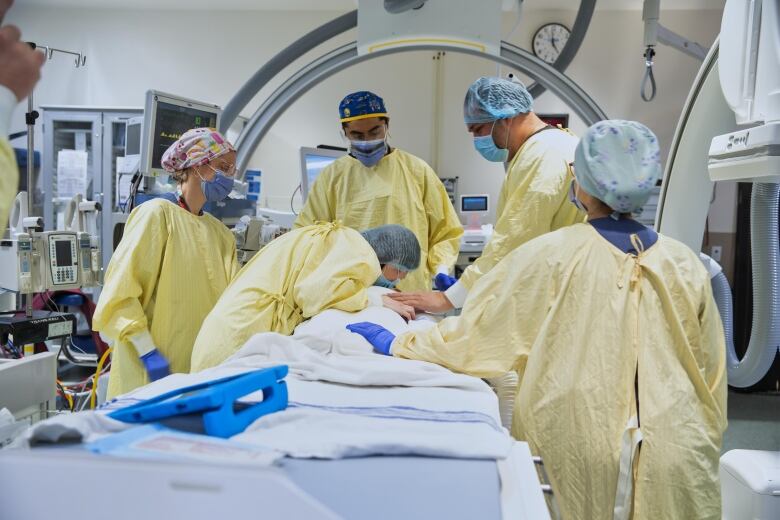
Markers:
<point>345,402</point>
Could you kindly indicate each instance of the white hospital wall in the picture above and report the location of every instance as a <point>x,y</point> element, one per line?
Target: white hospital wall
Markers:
<point>207,56</point>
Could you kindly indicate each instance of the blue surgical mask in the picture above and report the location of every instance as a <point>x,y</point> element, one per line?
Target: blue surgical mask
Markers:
<point>488,149</point>
<point>574,200</point>
<point>384,282</point>
<point>368,152</point>
<point>218,188</point>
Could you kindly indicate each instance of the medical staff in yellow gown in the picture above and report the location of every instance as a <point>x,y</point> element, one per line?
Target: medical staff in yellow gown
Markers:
<point>169,269</point>
<point>532,200</point>
<point>9,181</point>
<point>619,349</point>
<point>378,185</point>
<point>300,274</point>
<point>9,172</point>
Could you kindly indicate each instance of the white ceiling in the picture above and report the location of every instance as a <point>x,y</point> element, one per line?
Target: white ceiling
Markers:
<point>346,5</point>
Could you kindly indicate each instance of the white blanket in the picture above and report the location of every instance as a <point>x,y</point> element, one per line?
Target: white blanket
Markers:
<point>345,401</point>
<point>326,332</point>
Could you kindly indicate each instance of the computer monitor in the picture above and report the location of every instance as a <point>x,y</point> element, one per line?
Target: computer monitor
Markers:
<point>133,136</point>
<point>474,207</point>
<point>474,203</point>
<point>313,161</point>
<point>166,118</point>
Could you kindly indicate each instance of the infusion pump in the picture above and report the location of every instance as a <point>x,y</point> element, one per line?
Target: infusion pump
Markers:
<point>49,260</point>
<point>34,261</point>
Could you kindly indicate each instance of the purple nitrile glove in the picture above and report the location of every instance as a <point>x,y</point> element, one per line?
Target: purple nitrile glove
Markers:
<point>156,365</point>
<point>379,337</point>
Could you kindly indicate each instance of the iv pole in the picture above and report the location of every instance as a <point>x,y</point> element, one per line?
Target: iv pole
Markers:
<point>30,117</point>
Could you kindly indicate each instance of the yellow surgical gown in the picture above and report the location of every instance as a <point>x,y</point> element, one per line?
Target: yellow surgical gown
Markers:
<point>586,326</point>
<point>9,182</point>
<point>298,275</point>
<point>533,199</point>
<point>401,189</point>
<point>164,277</point>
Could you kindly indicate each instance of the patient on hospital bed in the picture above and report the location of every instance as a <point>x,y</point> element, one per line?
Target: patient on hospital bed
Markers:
<point>344,400</point>
<point>326,332</point>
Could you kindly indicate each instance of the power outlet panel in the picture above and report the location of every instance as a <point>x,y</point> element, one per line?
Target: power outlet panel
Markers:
<point>716,252</point>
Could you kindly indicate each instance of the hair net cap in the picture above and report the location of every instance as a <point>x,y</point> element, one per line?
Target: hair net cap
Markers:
<point>618,162</point>
<point>394,245</point>
<point>489,99</point>
<point>194,148</point>
<point>361,105</point>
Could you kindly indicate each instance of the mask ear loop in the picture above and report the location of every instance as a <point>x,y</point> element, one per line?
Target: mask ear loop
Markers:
<point>492,129</point>
<point>343,135</point>
<point>508,133</point>
<point>196,169</point>
<point>212,169</point>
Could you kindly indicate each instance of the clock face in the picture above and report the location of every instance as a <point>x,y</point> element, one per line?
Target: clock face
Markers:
<point>549,41</point>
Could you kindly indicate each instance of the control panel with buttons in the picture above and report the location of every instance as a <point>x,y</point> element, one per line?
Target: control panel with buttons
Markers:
<point>63,259</point>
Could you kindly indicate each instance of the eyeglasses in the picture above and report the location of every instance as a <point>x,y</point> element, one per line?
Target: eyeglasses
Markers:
<point>229,172</point>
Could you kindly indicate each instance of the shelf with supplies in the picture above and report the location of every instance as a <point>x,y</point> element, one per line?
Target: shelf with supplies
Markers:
<point>451,185</point>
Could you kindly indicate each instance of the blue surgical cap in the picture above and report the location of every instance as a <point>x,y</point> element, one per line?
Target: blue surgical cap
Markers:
<point>618,162</point>
<point>394,245</point>
<point>361,105</point>
<point>490,99</point>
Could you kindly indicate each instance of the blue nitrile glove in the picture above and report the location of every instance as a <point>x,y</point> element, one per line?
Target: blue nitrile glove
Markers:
<point>443,281</point>
<point>378,336</point>
<point>156,365</point>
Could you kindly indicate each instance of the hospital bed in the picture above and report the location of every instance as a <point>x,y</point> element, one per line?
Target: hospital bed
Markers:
<point>367,487</point>
<point>376,486</point>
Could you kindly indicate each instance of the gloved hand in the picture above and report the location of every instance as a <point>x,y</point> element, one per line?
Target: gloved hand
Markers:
<point>156,365</point>
<point>442,281</point>
<point>379,337</point>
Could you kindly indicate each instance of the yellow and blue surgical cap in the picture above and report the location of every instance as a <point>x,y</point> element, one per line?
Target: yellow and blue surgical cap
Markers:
<point>361,105</point>
<point>490,99</point>
<point>618,162</point>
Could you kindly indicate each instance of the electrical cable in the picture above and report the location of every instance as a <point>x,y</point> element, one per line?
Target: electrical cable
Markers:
<point>649,54</point>
<point>292,198</point>
<point>15,351</point>
<point>65,394</point>
<point>135,182</point>
<point>508,37</point>
<point>93,395</point>
<point>76,347</point>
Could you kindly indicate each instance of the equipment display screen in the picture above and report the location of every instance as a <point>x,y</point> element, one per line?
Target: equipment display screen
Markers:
<point>63,251</point>
<point>474,203</point>
<point>315,164</point>
<point>133,142</point>
<point>171,122</point>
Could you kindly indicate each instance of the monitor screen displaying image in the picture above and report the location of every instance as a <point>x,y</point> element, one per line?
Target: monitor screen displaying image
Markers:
<point>172,121</point>
<point>313,161</point>
<point>166,118</point>
<point>474,203</point>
